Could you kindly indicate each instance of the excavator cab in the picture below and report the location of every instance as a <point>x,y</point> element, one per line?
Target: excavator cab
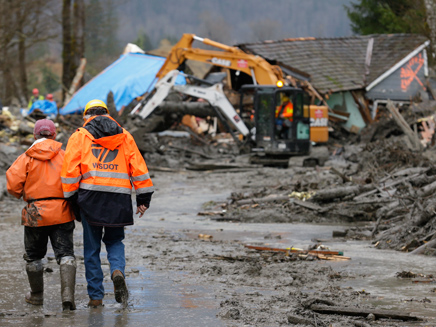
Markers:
<point>281,123</point>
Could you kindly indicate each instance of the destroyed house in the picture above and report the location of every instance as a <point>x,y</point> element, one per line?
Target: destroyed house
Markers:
<point>353,74</point>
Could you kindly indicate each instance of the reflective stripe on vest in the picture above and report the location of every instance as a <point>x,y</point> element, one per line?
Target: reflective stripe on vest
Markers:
<point>143,190</point>
<point>98,173</point>
<point>140,177</point>
<point>104,188</point>
<point>70,194</point>
<point>71,180</point>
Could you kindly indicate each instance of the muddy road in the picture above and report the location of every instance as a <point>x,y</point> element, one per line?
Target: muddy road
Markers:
<point>177,278</point>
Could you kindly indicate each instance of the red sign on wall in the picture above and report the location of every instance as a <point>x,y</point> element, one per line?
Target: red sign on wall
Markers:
<point>410,72</point>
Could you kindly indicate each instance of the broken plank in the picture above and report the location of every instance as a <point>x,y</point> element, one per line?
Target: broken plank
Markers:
<point>269,198</point>
<point>389,184</point>
<point>362,312</point>
<point>328,240</point>
<point>201,154</point>
<point>340,192</point>
<point>310,205</point>
<point>398,118</point>
<point>292,250</point>
<point>422,248</point>
<point>230,219</point>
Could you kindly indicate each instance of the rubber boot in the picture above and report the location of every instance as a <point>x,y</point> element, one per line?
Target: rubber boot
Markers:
<point>35,271</point>
<point>68,282</point>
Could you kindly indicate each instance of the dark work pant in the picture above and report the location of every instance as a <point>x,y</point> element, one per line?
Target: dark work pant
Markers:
<point>61,239</point>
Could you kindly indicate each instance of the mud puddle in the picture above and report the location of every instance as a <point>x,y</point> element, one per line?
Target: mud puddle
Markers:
<point>176,278</point>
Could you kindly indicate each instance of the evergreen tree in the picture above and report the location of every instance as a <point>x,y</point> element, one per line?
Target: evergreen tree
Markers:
<point>388,16</point>
<point>94,30</point>
<point>101,43</point>
<point>143,41</point>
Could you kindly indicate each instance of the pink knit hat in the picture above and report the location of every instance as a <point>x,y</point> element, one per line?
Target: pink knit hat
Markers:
<point>44,127</point>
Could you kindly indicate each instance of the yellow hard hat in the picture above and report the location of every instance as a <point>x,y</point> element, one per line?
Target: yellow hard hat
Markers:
<point>95,103</point>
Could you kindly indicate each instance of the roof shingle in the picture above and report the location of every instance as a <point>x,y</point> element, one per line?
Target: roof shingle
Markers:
<point>338,64</point>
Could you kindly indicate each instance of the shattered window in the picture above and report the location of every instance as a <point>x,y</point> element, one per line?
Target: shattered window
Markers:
<point>265,116</point>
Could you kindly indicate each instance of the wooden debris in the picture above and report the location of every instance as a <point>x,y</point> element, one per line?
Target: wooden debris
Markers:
<point>205,237</point>
<point>361,312</point>
<point>320,254</point>
<point>310,205</point>
<point>229,219</point>
<point>269,198</point>
<point>424,247</point>
<point>340,192</point>
<point>413,137</point>
<point>210,213</point>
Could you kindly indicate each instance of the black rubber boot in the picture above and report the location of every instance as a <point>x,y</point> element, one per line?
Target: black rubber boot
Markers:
<point>35,271</point>
<point>68,282</point>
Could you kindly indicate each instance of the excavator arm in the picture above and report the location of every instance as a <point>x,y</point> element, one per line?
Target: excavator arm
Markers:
<point>213,94</point>
<point>229,57</point>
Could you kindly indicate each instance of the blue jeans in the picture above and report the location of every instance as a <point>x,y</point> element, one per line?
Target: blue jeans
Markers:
<point>113,239</point>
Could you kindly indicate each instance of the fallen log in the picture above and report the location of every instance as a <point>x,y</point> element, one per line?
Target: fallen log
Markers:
<point>423,179</point>
<point>426,214</point>
<point>322,254</point>
<point>412,136</point>
<point>386,185</point>
<point>311,206</point>
<point>201,154</point>
<point>340,192</point>
<point>427,190</point>
<point>344,178</point>
<point>422,248</point>
<point>411,171</point>
<point>269,198</point>
<point>361,312</point>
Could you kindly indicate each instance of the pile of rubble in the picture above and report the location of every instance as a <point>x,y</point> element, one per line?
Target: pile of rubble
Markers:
<point>384,179</point>
<point>383,176</point>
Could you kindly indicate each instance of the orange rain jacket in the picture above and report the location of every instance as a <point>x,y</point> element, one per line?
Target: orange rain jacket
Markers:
<point>35,175</point>
<point>102,162</point>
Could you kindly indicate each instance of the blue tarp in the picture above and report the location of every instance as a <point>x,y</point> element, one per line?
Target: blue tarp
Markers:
<point>130,76</point>
<point>46,106</point>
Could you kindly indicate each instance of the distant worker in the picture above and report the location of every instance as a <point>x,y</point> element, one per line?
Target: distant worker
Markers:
<point>36,176</point>
<point>49,97</point>
<point>35,97</point>
<point>102,162</point>
<point>284,118</point>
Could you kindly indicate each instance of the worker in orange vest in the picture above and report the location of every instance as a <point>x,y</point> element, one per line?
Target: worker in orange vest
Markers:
<point>284,117</point>
<point>36,176</point>
<point>102,162</point>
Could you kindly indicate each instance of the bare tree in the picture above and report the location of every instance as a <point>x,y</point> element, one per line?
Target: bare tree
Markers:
<point>430,6</point>
<point>73,40</point>
<point>22,25</point>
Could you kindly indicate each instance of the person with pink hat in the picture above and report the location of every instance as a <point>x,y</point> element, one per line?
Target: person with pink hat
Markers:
<point>36,176</point>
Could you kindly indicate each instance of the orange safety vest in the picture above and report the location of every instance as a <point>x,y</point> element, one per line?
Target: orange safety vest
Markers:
<point>36,175</point>
<point>108,164</point>
<point>287,110</point>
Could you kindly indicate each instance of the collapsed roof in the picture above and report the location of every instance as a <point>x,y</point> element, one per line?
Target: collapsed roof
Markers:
<point>339,64</point>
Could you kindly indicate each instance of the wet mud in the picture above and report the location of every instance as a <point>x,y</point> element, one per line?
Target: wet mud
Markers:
<point>178,278</point>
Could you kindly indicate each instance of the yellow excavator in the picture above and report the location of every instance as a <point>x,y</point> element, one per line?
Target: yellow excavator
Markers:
<point>256,69</point>
<point>260,82</point>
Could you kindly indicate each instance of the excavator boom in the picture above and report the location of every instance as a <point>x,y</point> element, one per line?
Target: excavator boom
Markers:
<point>213,94</point>
<point>229,57</point>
